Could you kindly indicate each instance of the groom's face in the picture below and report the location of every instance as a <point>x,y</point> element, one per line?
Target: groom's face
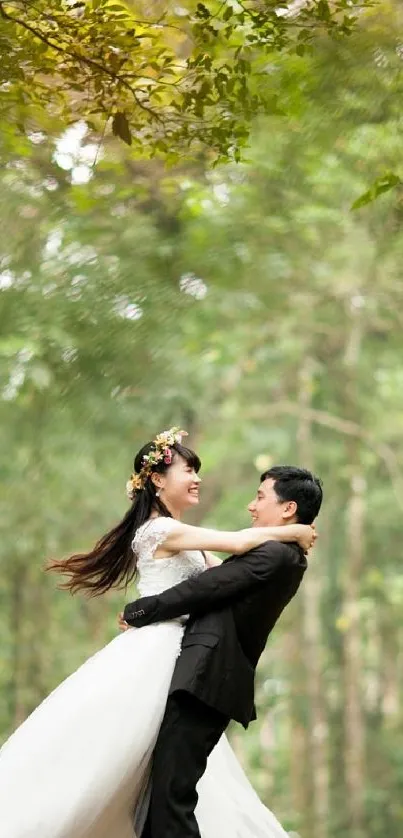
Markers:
<point>267,510</point>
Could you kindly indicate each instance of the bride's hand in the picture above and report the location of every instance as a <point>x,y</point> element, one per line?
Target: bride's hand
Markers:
<point>122,623</point>
<point>305,535</point>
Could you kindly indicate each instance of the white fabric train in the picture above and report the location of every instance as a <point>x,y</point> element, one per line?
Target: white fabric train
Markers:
<point>79,766</point>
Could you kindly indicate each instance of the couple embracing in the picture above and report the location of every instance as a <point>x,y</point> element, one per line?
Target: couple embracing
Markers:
<point>117,750</point>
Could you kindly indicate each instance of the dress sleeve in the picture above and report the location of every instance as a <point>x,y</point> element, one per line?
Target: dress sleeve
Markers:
<point>151,535</point>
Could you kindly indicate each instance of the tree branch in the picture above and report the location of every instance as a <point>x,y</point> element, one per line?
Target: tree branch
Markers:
<point>80,58</point>
<point>345,427</point>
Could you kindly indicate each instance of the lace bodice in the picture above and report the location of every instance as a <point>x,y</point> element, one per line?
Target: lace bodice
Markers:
<point>156,575</point>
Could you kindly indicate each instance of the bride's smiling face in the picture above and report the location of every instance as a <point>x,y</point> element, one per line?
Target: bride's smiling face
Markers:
<point>179,486</point>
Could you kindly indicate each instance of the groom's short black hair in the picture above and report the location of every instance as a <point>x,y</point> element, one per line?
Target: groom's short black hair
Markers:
<point>299,485</point>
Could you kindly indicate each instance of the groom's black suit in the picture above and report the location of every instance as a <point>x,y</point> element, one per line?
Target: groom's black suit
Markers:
<point>233,608</point>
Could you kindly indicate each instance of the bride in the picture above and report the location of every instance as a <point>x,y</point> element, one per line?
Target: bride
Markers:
<point>79,766</point>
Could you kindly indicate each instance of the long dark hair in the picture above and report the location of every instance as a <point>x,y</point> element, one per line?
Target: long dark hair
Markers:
<point>112,562</point>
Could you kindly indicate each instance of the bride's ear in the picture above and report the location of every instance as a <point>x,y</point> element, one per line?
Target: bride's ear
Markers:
<point>157,481</point>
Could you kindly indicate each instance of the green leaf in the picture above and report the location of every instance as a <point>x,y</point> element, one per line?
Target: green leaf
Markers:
<point>383,184</point>
<point>202,11</point>
<point>116,7</point>
<point>121,128</point>
<point>324,10</point>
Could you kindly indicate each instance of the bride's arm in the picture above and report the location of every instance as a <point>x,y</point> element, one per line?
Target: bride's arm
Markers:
<point>185,537</point>
<point>211,559</point>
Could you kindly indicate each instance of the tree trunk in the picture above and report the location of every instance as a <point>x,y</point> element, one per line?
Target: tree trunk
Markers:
<point>300,774</point>
<point>354,723</point>
<point>17,710</point>
<point>311,594</point>
<point>353,710</point>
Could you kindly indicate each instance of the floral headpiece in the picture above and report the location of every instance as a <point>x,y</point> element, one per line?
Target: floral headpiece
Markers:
<point>162,452</point>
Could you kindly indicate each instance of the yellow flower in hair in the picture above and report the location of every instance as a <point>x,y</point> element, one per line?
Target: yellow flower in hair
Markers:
<point>162,444</point>
<point>133,485</point>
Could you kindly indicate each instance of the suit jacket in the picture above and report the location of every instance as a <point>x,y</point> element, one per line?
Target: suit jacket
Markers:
<point>233,609</point>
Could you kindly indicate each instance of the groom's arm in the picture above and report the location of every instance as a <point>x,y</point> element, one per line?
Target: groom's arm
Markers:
<point>213,588</point>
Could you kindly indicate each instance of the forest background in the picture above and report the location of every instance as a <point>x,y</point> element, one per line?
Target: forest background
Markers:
<point>218,280</point>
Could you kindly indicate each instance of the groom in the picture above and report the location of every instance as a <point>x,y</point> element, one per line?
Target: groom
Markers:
<point>233,609</point>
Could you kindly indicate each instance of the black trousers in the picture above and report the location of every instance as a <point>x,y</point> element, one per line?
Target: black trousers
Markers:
<point>188,734</point>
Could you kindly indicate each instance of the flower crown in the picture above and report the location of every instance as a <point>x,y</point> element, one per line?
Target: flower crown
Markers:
<point>162,445</point>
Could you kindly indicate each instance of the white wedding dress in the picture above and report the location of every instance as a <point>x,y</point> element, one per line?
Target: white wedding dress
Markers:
<point>79,766</point>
